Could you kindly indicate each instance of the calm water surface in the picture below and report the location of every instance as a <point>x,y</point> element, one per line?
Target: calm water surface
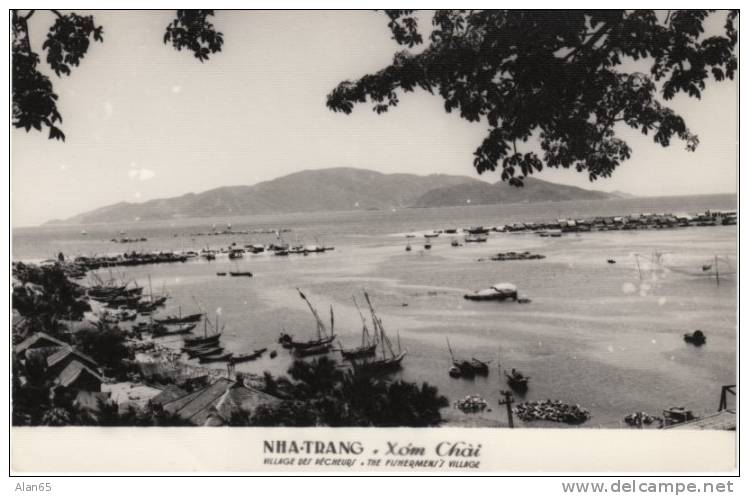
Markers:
<point>606,336</point>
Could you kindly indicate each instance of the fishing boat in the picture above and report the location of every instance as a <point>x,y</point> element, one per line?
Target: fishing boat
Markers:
<point>180,319</point>
<point>119,299</point>
<point>208,255</point>
<point>477,230</point>
<point>173,330</point>
<point>517,381</point>
<point>696,338</point>
<point>313,350</point>
<point>204,352</point>
<point>199,348</point>
<point>206,339</point>
<point>466,368</point>
<point>476,238</point>
<point>390,360</point>
<point>105,291</point>
<point>427,245</point>
<point>220,274</point>
<point>431,235</point>
<point>368,345</point>
<point>225,357</point>
<point>236,253</point>
<point>408,247</point>
<point>148,306</point>
<point>239,273</point>
<point>498,292</point>
<point>323,337</point>
<point>246,357</point>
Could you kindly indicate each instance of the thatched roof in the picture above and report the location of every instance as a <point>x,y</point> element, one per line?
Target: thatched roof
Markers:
<point>170,393</point>
<point>73,371</point>
<point>68,350</point>
<point>221,399</point>
<point>39,340</point>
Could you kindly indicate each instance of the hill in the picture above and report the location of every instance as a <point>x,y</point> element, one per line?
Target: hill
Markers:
<point>331,190</point>
<point>306,191</point>
<point>534,190</point>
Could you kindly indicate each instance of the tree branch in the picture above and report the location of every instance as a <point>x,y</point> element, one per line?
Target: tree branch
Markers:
<point>590,42</point>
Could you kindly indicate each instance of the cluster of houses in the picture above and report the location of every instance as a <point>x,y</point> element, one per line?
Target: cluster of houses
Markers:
<point>627,222</point>
<point>202,401</point>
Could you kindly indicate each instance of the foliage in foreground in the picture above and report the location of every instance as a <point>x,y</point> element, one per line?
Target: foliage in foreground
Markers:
<point>564,77</point>
<point>322,394</point>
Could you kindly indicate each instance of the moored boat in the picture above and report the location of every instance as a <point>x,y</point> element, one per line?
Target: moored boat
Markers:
<point>176,329</point>
<point>476,238</point>
<point>323,337</point>
<point>498,292</point>
<point>225,357</point>
<point>390,360</point>
<point>246,357</point>
<point>180,319</point>
<point>203,352</point>
<point>517,381</point>
<point>368,345</point>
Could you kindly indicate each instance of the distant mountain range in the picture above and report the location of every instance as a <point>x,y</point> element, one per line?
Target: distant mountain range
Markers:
<point>335,189</point>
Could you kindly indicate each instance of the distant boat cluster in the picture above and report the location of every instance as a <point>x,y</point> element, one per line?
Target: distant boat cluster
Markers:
<point>604,223</point>
<point>81,264</point>
<point>129,240</point>
<point>228,231</point>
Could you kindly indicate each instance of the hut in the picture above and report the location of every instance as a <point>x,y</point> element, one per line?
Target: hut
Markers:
<point>59,361</point>
<point>214,404</point>
<point>77,376</point>
<point>39,342</point>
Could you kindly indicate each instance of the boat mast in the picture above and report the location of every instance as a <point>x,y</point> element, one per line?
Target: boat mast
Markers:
<point>320,326</point>
<point>717,277</point>
<point>365,331</point>
<point>378,325</point>
<point>449,348</point>
<point>332,332</point>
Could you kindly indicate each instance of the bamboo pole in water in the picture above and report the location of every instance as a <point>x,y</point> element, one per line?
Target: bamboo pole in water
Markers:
<point>717,276</point>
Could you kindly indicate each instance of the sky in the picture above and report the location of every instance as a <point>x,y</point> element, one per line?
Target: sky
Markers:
<point>143,121</point>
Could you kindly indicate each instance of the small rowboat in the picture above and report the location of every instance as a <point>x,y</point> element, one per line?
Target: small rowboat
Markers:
<point>205,352</point>
<point>216,358</point>
<point>170,331</point>
<point>240,274</point>
<point>247,357</point>
<point>313,350</point>
<point>197,341</point>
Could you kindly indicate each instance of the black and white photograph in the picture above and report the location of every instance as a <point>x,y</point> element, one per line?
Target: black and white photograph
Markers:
<point>429,219</point>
